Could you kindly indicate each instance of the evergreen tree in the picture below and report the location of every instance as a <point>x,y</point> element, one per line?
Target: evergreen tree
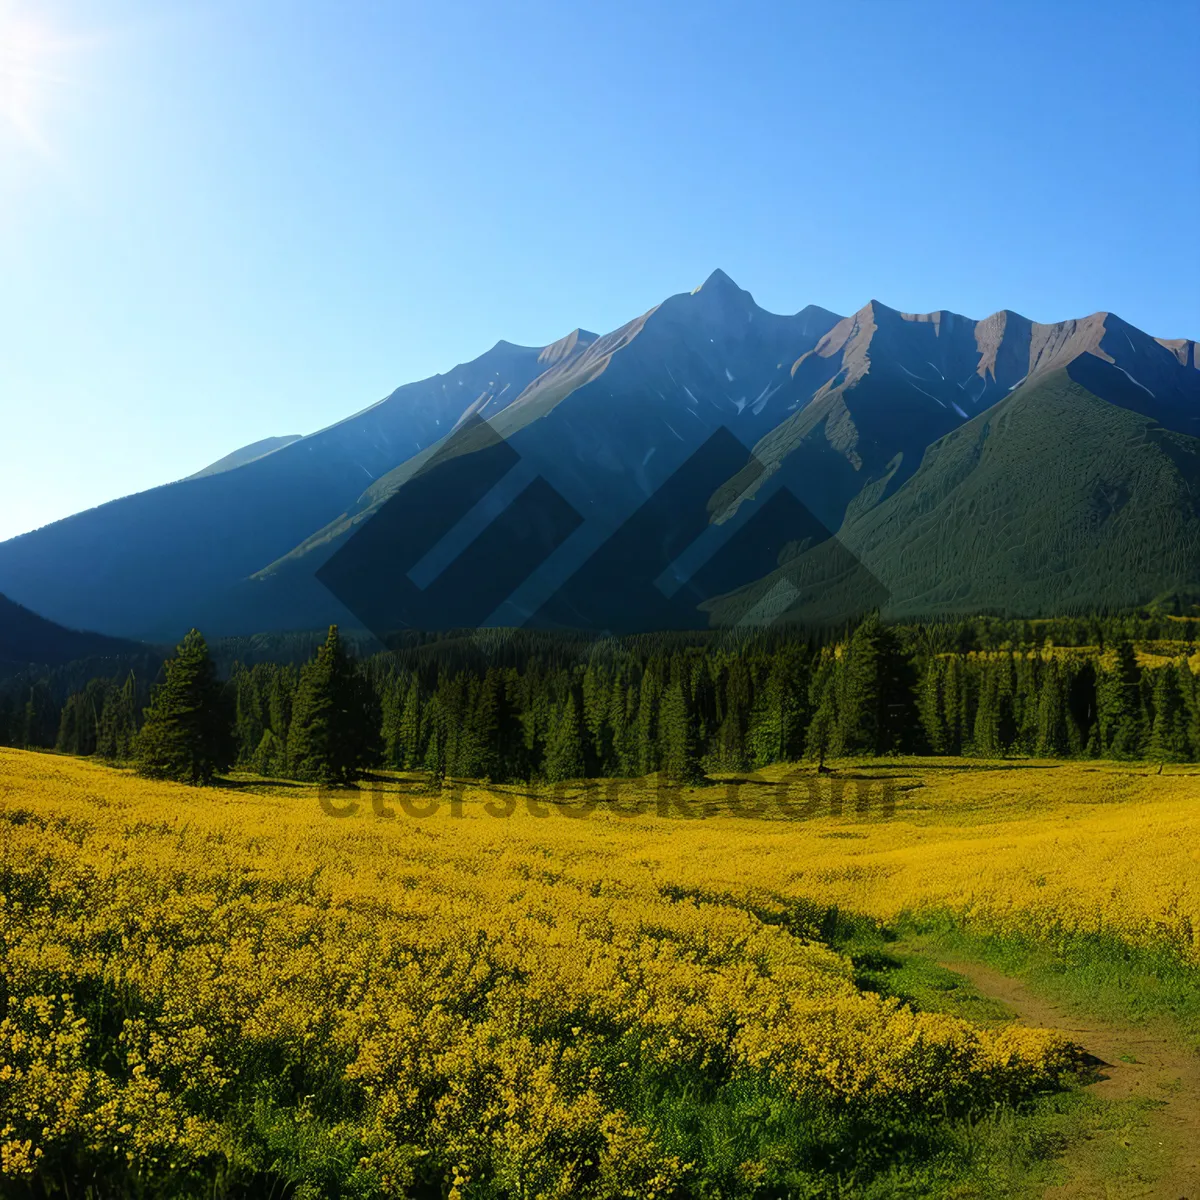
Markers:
<point>597,716</point>
<point>1120,713</point>
<point>985,737</point>
<point>778,718</point>
<point>270,758</point>
<point>564,750</point>
<point>1169,740</point>
<point>730,752</point>
<point>822,729</point>
<point>68,726</point>
<point>932,706</point>
<point>623,707</point>
<point>537,718</point>
<point>1006,709</point>
<point>39,717</point>
<point>117,732</point>
<point>187,734</point>
<point>79,725</point>
<point>1052,740</point>
<point>410,725</point>
<point>679,733</point>
<point>1028,676</point>
<point>954,705</point>
<point>649,749</point>
<point>281,694</point>
<point>249,718</point>
<point>875,709</point>
<point>391,707</point>
<point>334,735</point>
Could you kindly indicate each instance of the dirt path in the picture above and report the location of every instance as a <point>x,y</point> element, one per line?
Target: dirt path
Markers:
<point>1164,1141</point>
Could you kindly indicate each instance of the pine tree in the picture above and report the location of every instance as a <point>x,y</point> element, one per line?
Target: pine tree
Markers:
<point>596,690</point>
<point>270,758</point>
<point>778,717</point>
<point>1006,703</point>
<point>822,729</point>
<point>68,726</point>
<point>117,731</point>
<point>1120,712</point>
<point>334,735</point>
<point>985,736</point>
<point>954,705</point>
<point>1169,741</point>
<point>564,750</point>
<point>534,721</point>
<point>78,727</point>
<point>622,693</point>
<point>487,716</point>
<point>1028,677</point>
<point>187,734</point>
<point>932,706</point>
<point>410,725</point>
<point>249,719</point>
<point>1052,740</point>
<point>678,732</point>
<point>281,694</point>
<point>392,706</point>
<point>648,742</point>
<point>875,709</point>
<point>39,717</point>
<point>434,758</point>
<point>730,752</point>
<point>858,697</point>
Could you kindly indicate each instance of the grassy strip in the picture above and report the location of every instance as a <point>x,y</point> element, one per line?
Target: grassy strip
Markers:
<point>1019,1151</point>
<point>1097,974</point>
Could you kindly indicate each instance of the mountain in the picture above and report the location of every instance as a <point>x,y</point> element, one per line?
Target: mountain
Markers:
<point>1050,501</point>
<point>708,461</point>
<point>26,638</point>
<point>247,454</point>
<point>147,564</point>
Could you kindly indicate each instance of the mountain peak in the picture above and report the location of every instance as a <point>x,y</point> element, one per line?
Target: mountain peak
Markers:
<point>718,281</point>
<point>575,341</point>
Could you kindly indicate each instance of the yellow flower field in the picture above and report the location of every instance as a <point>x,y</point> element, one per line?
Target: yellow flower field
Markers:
<point>474,1003</point>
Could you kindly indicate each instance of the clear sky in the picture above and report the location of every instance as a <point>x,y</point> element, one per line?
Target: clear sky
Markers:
<point>229,219</point>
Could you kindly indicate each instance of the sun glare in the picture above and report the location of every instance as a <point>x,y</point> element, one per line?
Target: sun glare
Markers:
<point>32,57</point>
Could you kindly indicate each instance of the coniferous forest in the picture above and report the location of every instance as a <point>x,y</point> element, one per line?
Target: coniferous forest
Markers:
<point>515,705</point>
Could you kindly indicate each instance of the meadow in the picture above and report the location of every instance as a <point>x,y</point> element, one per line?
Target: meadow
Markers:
<point>604,990</point>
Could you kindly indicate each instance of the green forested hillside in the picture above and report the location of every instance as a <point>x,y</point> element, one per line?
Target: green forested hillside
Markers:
<point>1050,502</point>
<point>1053,501</point>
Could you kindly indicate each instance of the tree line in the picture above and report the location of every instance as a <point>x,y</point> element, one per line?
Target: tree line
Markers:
<point>515,706</point>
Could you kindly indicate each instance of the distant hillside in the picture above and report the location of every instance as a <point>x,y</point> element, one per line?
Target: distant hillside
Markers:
<point>1051,501</point>
<point>26,638</point>
<point>247,454</point>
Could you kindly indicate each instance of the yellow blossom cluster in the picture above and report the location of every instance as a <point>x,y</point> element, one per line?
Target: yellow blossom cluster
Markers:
<point>190,976</point>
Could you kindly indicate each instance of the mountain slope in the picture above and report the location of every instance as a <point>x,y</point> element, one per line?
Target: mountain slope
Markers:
<point>145,564</point>
<point>1051,501</point>
<point>820,422</point>
<point>26,638</point>
<point>246,454</point>
<point>836,429</point>
<point>654,389</point>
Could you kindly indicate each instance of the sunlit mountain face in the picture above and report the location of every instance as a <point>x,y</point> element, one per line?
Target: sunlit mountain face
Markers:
<point>707,463</point>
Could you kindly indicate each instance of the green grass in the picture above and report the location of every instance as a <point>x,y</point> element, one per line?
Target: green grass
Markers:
<point>1013,1151</point>
<point>1095,974</point>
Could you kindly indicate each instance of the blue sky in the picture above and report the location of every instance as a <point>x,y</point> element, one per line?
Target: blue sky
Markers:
<point>221,221</point>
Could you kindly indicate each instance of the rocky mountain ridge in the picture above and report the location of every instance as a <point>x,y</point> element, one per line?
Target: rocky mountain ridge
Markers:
<point>837,413</point>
